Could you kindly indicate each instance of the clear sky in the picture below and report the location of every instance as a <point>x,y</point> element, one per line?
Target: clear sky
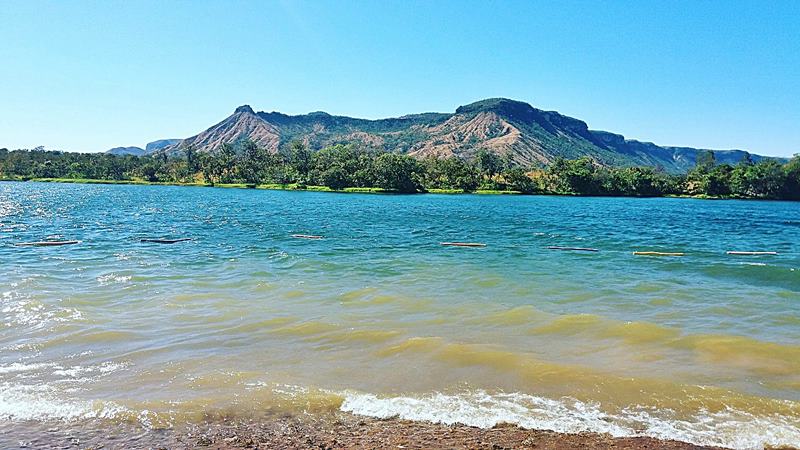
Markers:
<point>90,75</point>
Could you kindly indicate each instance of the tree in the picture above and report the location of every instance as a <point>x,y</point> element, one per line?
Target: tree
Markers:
<point>574,176</point>
<point>192,163</point>
<point>764,179</point>
<point>334,177</point>
<point>252,162</point>
<point>767,179</point>
<point>210,168</point>
<point>718,180</point>
<point>489,163</point>
<point>792,184</point>
<point>450,173</point>
<point>300,159</point>
<point>697,179</point>
<point>397,172</point>
<point>706,159</point>
<point>517,180</point>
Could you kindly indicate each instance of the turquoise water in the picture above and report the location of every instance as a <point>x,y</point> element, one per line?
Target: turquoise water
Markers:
<point>377,318</point>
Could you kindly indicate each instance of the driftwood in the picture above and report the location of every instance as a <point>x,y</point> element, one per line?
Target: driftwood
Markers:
<point>306,236</point>
<point>463,244</point>
<point>751,253</point>
<point>46,243</point>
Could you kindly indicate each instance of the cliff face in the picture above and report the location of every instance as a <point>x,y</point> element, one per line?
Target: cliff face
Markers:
<point>513,129</point>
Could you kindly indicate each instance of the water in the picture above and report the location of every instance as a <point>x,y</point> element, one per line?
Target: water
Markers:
<point>379,319</point>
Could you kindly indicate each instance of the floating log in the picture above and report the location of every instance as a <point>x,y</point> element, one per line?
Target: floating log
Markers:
<point>751,253</point>
<point>306,236</point>
<point>165,241</point>
<point>46,243</point>
<point>463,244</point>
<point>658,254</point>
<point>577,249</point>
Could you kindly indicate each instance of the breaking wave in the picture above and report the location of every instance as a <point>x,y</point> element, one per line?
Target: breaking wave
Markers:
<point>728,428</point>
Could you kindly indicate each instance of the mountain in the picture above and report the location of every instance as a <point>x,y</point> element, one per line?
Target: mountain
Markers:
<point>151,147</point>
<point>135,151</point>
<point>513,129</point>
<point>155,146</point>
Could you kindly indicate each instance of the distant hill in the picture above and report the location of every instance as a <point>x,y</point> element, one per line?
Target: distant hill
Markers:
<point>135,151</point>
<point>513,129</point>
<point>159,144</point>
<point>152,147</point>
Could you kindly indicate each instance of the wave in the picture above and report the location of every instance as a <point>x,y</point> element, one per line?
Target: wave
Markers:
<point>728,428</point>
<point>43,403</point>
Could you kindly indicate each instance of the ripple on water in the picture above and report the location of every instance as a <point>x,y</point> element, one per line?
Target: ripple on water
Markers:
<point>378,306</point>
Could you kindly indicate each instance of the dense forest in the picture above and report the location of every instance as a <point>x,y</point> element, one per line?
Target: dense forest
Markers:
<point>342,167</point>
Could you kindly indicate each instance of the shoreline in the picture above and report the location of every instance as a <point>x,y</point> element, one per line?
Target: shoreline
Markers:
<point>366,190</point>
<point>344,430</point>
<point>337,430</point>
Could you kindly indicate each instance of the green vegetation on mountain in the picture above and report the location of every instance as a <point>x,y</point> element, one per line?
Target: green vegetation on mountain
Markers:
<point>358,169</point>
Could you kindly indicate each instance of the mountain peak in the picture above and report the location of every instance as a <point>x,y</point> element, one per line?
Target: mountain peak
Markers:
<point>244,109</point>
<point>500,105</point>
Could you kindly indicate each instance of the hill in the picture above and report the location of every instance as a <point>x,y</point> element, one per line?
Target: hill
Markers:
<point>513,129</point>
<point>135,151</point>
<point>150,148</point>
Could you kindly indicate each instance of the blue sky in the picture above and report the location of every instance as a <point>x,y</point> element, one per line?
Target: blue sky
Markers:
<point>90,75</point>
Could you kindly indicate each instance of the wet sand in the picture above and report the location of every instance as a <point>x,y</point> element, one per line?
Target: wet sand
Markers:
<point>333,431</point>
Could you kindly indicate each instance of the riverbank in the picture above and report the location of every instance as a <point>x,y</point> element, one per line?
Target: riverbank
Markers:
<point>348,431</point>
<point>270,186</point>
<point>312,188</point>
<point>329,431</point>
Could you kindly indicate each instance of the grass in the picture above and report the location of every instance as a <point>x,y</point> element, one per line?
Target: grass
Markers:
<point>319,188</point>
<point>293,187</point>
<point>235,185</point>
<point>446,191</point>
<point>367,190</point>
<point>496,192</point>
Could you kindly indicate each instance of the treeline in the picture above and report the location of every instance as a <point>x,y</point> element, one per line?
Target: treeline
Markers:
<point>346,166</point>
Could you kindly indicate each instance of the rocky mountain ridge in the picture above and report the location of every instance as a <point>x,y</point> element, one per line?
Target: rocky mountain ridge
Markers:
<point>510,128</point>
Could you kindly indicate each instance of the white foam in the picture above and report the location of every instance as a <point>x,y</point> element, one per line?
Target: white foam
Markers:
<point>22,367</point>
<point>77,371</point>
<point>25,312</point>
<point>732,429</point>
<point>41,403</point>
<point>111,278</point>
